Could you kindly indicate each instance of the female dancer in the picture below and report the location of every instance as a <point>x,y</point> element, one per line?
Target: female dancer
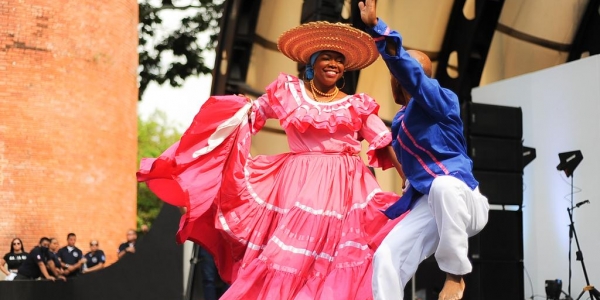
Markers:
<point>295,225</point>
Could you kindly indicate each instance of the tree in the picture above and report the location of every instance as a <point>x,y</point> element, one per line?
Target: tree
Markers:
<point>154,137</point>
<point>184,45</point>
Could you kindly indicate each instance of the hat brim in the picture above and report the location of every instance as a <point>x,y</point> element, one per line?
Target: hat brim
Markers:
<point>300,42</point>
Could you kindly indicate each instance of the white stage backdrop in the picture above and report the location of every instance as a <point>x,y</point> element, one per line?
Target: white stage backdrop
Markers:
<point>561,112</point>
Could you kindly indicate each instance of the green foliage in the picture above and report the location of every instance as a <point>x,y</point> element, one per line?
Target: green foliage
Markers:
<point>183,46</point>
<point>155,135</point>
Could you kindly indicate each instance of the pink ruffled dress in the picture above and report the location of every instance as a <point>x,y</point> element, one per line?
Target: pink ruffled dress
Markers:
<point>298,225</point>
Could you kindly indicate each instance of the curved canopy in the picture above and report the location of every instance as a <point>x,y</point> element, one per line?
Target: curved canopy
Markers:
<point>529,36</point>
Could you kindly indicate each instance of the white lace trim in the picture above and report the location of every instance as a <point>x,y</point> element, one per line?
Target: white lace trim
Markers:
<point>224,130</point>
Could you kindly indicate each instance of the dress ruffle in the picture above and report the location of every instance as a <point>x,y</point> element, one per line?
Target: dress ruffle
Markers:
<point>291,108</point>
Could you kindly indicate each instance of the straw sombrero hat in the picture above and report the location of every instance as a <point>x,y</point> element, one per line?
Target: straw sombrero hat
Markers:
<point>300,42</point>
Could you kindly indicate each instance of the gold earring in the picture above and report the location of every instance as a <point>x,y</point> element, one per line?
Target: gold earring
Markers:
<point>343,84</point>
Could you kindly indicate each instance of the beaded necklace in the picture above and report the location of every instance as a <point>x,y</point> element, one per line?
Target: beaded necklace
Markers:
<point>316,91</point>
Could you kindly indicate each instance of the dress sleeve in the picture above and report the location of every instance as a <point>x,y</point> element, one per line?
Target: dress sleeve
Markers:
<point>379,137</point>
<point>261,112</point>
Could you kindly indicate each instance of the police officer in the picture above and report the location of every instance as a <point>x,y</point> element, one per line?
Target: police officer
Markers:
<point>129,246</point>
<point>71,258</point>
<point>53,263</point>
<point>95,259</point>
<point>34,265</point>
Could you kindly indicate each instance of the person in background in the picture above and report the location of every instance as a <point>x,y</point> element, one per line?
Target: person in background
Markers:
<point>34,265</point>
<point>71,257</point>
<point>129,246</point>
<point>13,259</point>
<point>95,259</point>
<point>144,229</point>
<point>210,276</point>
<point>53,263</point>
<point>141,232</point>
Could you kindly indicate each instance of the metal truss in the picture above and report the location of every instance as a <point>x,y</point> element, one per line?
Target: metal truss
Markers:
<point>237,35</point>
<point>587,38</point>
<point>471,40</point>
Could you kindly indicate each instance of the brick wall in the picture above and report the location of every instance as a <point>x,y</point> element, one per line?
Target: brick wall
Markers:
<point>68,136</point>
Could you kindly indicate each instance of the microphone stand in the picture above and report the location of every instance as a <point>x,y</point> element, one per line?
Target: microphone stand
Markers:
<point>568,162</point>
<point>571,231</point>
<point>594,294</point>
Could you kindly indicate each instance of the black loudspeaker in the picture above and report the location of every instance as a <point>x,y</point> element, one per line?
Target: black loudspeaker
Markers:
<point>501,188</point>
<point>429,281</point>
<point>495,280</point>
<point>493,120</point>
<point>501,239</point>
<point>494,154</point>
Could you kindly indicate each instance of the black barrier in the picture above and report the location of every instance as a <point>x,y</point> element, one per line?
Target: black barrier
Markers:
<point>155,271</point>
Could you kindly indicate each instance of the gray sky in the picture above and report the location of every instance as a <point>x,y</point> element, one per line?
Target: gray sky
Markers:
<point>180,104</point>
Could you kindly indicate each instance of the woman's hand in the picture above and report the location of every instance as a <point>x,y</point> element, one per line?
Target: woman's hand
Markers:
<point>249,101</point>
<point>244,96</point>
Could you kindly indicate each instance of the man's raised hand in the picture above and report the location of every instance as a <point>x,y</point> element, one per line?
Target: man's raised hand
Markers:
<point>368,13</point>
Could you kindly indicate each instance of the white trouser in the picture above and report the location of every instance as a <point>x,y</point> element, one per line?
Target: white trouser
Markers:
<point>440,222</point>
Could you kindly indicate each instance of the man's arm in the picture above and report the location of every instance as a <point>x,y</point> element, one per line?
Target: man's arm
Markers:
<point>425,91</point>
<point>72,268</point>
<point>56,271</point>
<point>121,254</point>
<point>59,255</point>
<point>123,251</point>
<point>53,269</point>
<point>94,268</point>
<point>397,165</point>
<point>100,264</point>
<point>44,271</point>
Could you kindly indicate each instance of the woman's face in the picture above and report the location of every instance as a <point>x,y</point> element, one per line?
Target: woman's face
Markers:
<point>17,245</point>
<point>53,245</point>
<point>329,67</point>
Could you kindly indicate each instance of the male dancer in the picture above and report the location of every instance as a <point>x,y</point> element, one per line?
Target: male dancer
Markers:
<point>442,195</point>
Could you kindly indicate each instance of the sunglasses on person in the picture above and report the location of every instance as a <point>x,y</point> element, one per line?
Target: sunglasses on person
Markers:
<point>93,244</point>
<point>17,243</point>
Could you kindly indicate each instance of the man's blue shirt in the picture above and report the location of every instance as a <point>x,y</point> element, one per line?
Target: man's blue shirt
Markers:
<point>428,132</point>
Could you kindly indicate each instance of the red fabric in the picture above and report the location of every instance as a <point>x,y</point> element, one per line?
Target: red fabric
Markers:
<point>181,180</point>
